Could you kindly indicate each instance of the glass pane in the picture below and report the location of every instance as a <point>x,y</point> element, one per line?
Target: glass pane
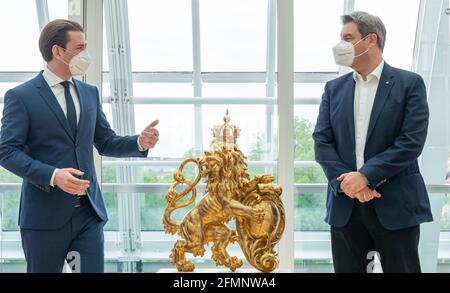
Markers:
<point>400,34</point>
<point>106,92</point>
<point>316,31</point>
<point>160,35</point>
<point>105,56</point>
<point>170,90</point>
<point>224,90</point>
<point>152,209</point>
<point>309,208</point>
<point>9,204</point>
<point>446,208</point>
<point>445,224</point>
<point>176,128</point>
<point>233,35</point>
<point>4,87</point>
<point>251,119</point>
<point>22,52</point>
<point>308,90</point>
<point>58,9</point>
<point>109,175</point>
<point>309,212</point>
<point>153,203</point>
<point>305,121</point>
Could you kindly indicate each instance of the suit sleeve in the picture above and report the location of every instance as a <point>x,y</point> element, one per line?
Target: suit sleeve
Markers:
<point>325,146</point>
<point>408,146</point>
<point>108,143</point>
<point>13,140</point>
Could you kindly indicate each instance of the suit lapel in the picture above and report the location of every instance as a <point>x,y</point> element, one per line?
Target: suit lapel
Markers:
<point>349,107</point>
<point>83,105</point>
<point>48,96</point>
<point>384,88</point>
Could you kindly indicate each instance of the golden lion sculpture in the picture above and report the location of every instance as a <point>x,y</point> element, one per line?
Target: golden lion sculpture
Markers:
<point>230,194</point>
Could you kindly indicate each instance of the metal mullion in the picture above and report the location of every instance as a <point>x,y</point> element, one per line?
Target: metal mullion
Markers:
<point>285,55</point>
<point>134,208</point>
<point>349,6</point>
<point>117,37</point>
<point>197,76</point>
<point>182,77</point>
<point>127,113</point>
<point>42,13</point>
<point>159,163</point>
<point>197,79</point>
<point>210,101</point>
<point>270,80</point>
<point>122,197</point>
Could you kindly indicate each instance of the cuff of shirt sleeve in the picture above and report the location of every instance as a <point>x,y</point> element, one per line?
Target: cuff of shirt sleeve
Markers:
<point>52,180</point>
<point>141,149</point>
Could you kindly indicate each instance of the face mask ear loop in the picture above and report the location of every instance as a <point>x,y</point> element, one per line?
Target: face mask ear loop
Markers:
<point>362,53</point>
<point>72,53</point>
<point>360,42</point>
<point>65,50</point>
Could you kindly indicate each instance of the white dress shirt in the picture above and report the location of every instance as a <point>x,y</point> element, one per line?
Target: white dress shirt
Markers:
<point>365,91</point>
<point>54,82</point>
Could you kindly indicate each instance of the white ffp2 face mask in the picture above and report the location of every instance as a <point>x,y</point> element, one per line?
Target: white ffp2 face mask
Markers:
<point>80,63</point>
<point>344,52</point>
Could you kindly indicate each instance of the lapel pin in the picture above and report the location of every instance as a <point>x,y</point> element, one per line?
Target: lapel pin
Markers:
<point>387,82</point>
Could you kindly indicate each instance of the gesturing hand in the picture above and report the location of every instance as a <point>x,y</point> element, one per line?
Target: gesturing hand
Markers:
<point>67,182</point>
<point>149,136</point>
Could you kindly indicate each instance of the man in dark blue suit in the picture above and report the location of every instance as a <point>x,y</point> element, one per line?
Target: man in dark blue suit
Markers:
<point>371,129</point>
<point>49,127</point>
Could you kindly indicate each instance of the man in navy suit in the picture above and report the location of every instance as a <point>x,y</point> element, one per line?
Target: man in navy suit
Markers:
<point>371,129</point>
<point>49,127</point>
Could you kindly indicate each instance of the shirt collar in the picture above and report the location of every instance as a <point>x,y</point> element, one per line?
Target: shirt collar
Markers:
<point>375,73</point>
<point>52,79</point>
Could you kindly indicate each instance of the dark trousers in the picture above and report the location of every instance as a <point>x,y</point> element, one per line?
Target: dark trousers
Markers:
<point>355,244</point>
<point>80,241</point>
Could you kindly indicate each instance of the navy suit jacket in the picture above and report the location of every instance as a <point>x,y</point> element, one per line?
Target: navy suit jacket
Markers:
<point>395,139</point>
<point>35,139</point>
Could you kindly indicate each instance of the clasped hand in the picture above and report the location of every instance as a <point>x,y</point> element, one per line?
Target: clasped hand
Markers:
<point>355,185</point>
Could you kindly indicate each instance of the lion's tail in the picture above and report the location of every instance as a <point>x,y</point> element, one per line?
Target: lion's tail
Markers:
<point>172,197</point>
<point>170,225</point>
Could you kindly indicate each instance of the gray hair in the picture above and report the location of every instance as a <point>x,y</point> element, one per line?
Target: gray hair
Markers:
<point>367,24</point>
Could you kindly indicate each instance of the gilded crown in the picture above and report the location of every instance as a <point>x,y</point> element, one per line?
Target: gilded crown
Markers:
<point>225,136</point>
